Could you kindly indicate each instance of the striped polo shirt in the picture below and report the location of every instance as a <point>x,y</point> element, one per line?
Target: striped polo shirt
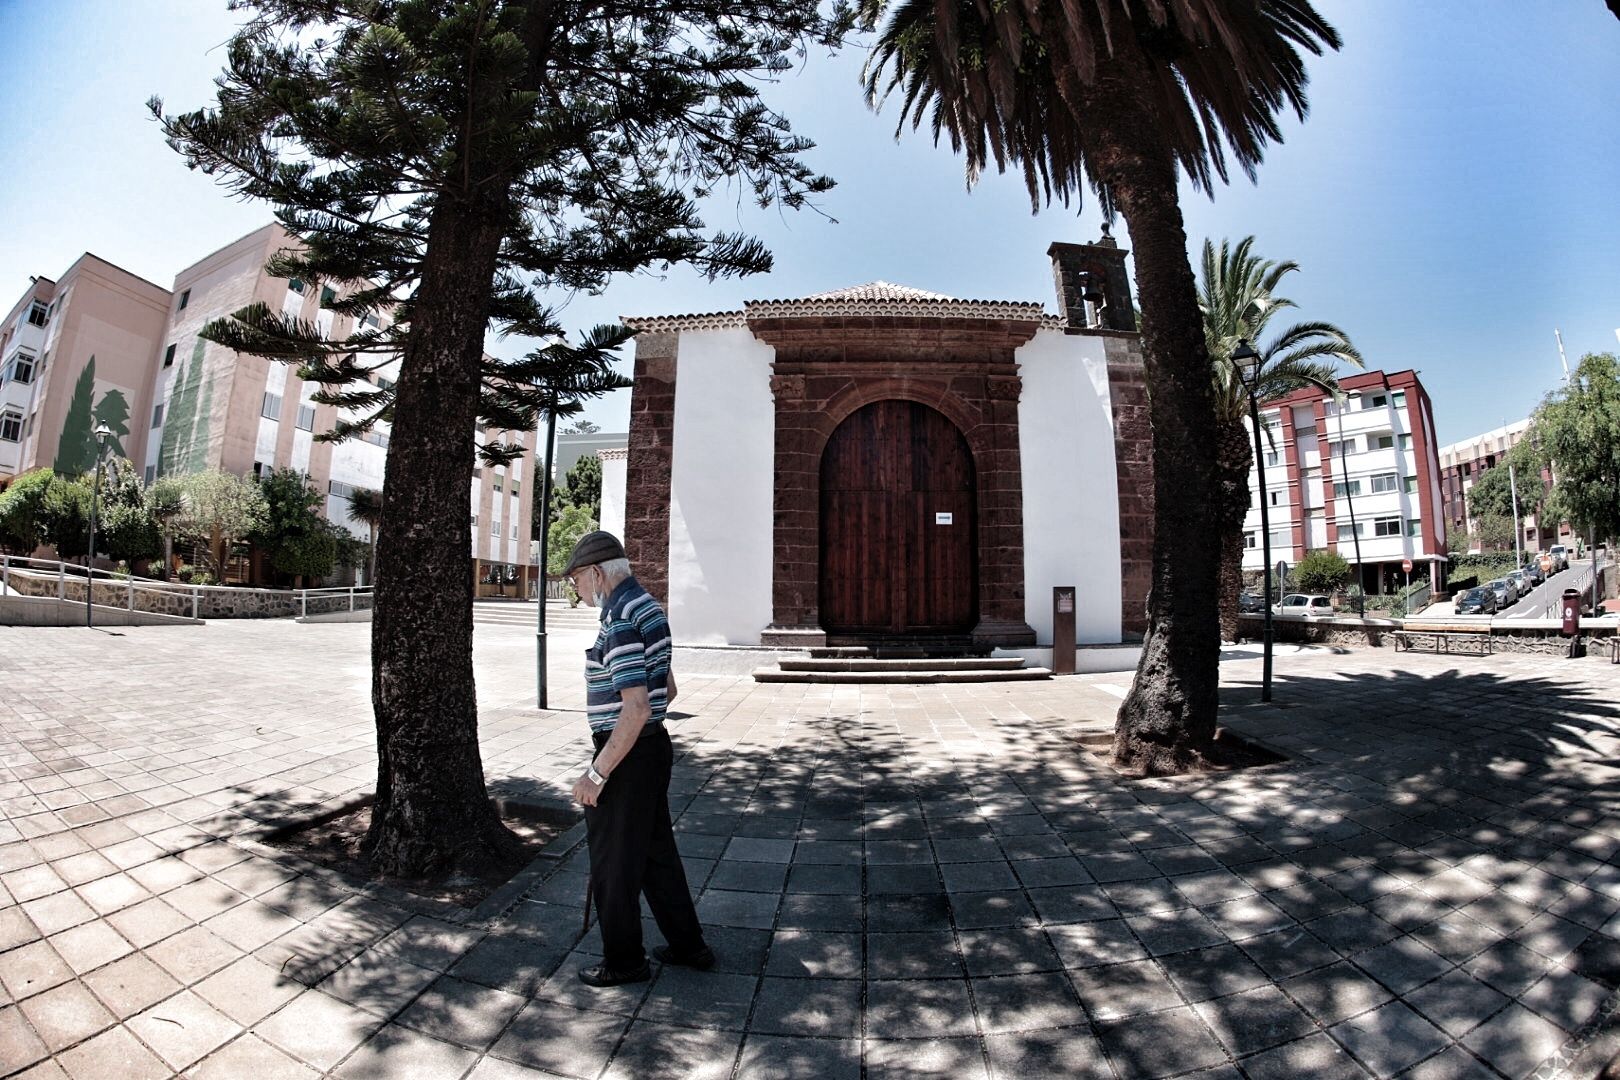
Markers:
<point>632,649</point>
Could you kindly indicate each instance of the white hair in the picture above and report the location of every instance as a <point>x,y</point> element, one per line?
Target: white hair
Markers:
<point>615,570</point>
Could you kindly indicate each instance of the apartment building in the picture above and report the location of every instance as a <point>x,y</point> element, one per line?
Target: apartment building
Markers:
<point>1461,463</point>
<point>74,353</point>
<point>179,404</point>
<point>1361,477</point>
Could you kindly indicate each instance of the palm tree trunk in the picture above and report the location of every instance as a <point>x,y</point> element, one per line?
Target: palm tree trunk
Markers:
<point>1167,722</point>
<point>432,812</point>
<point>1233,459</point>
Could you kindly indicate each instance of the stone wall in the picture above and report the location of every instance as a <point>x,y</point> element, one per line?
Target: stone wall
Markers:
<point>651,458</point>
<point>1380,633</point>
<point>1133,465</point>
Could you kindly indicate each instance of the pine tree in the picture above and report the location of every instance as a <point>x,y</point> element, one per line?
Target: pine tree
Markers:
<point>457,163</point>
<point>76,449</point>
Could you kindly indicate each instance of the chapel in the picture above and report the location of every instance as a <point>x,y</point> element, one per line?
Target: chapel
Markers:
<point>881,464</point>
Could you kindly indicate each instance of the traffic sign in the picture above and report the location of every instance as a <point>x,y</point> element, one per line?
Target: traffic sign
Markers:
<point>1406,565</point>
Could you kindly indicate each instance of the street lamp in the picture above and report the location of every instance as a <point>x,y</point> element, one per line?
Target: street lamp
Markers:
<point>1339,404</point>
<point>1247,362</point>
<point>103,433</point>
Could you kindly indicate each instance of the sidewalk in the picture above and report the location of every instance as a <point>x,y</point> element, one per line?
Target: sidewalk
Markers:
<point>899,881</point>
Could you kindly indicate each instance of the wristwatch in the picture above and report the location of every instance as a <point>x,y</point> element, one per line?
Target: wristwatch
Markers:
<point>593,776</point>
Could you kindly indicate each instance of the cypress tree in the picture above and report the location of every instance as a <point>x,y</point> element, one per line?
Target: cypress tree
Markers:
<point>458,165</point>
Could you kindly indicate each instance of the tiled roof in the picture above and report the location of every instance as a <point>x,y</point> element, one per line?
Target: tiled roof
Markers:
<point>875,298</point>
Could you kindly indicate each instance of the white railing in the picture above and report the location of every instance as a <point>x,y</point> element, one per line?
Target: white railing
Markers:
<point>351,590</point>
<point>12,566</point>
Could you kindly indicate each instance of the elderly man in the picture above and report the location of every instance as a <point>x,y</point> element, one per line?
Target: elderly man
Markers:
<point>625,792</point>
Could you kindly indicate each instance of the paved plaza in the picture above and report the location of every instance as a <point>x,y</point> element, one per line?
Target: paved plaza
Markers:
<point>898,881</point>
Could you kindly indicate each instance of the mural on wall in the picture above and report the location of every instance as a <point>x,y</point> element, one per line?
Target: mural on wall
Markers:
<point>188,420</point>
<point>76,449</point>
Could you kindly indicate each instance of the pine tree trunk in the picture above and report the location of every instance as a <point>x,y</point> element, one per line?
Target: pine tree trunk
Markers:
<point>432,813</point>
<point>1166,723</point>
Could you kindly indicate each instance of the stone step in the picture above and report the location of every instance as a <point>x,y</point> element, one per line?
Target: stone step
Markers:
<point>857,663</point>
<point>933,675</point>
<point>899,651</point>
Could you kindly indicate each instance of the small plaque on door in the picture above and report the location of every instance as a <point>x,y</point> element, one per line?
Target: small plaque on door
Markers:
<point>1065,602</point>
<point>942,519</point>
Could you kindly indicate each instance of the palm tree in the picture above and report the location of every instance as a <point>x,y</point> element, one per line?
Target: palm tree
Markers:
<point>1238,298</point>
<point>1118,95</point>
<point>365,506</point>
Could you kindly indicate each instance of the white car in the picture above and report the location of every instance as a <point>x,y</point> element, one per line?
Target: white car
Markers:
<point>1304,604</point>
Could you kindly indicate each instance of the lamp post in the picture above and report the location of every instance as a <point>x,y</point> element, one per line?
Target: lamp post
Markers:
<point>103,433</point>
<point>545,531</point>
<point>1247,362</point>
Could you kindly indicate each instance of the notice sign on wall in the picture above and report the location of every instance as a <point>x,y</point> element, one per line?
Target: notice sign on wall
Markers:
<point>942,519</point>
<point>1065,601</point>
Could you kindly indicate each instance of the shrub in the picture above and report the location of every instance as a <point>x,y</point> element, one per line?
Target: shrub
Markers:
<point>1321,571</point>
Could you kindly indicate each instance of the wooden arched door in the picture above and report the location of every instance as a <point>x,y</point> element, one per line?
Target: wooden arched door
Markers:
<point>898,528</point>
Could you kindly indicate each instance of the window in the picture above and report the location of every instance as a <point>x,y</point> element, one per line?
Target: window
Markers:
<point>1414,527</point>
<point>38,313</point>
<point>259,469</point>
<point>1374,401</point>
<point>328,294</point>
<point>1251,540</point>
<point>295,285</point>
<point>1383,482</point>
<point>1305,433</point>
<point>1281,538</point>
<point>151,474</point>
<point>1380,442</point>
<point>1398,398</point>
<point>1387,526</point>
<point>1410,484</point>
<point>497,481</point>
<point>157,415</point>
<point>340,489</point>
<point>1406,442</point>
<point>475,520</point>
<point>1349,532</point>
<point>306,417</point>
<point>495,528</point>
<point>1272,458</point>
<point>22,368</point>
<point>168,356</point>
<point>1340,449</point>
<point>1351,488</point>
<point>1275,495</point>
<point>271,409</point>
<point>515,491</point>
<point>370,322</point>
<point>10,427</point>
<point>514,532</point>
<point>376,438</point>
<point>185,298</point>
<point>384,384</point>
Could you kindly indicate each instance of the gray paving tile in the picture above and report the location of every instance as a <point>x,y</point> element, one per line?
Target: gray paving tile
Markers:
<point>916,955</point>
<point>1456,1002</point>
<point>914,1008</point>
<point>919,1058</point>
<point>1515,1040</point>
<point>654,1049</point>
<point>1025,1002</point>
<point>463,1013</point>
<point>828,1007</point>
<point>1315,1056</point>
<point>559,1039</point>
<point>815,954</point>
<point>1160,1044</point>
<point>1390,1038</point>
<point>706,999</point>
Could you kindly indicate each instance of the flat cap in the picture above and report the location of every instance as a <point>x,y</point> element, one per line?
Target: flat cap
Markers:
<point>594,547</point>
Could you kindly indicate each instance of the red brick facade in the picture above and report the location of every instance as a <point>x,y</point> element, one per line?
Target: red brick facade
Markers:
<point>829,366</point>
<point>647,468</point>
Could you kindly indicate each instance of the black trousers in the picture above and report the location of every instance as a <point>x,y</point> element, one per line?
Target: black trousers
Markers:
<point>633,853</point>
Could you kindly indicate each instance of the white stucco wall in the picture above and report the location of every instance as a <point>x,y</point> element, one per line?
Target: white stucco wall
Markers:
<point>1071,504</point>
<point>721,480</point>
<point>613,488</point>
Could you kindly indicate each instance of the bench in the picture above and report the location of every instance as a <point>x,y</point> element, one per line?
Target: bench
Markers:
<point>1448,639</point>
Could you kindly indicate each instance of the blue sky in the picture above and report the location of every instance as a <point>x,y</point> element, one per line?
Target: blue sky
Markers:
<point>1451,197</point>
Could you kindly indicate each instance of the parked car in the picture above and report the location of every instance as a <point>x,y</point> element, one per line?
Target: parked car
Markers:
<point>1521,582</point>
<point>1560,557</point>
<point>1506,594</point>
<point>1250,604</point>
<point>1304,604</point>
<point>1533,572</point>
<point>1480,600</point>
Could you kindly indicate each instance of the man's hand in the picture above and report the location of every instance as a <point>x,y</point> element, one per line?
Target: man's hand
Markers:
<point>585,792</point>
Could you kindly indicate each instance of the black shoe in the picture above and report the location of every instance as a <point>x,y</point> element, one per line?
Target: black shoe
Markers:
<point>702,960</point>
<point>603,976</point>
